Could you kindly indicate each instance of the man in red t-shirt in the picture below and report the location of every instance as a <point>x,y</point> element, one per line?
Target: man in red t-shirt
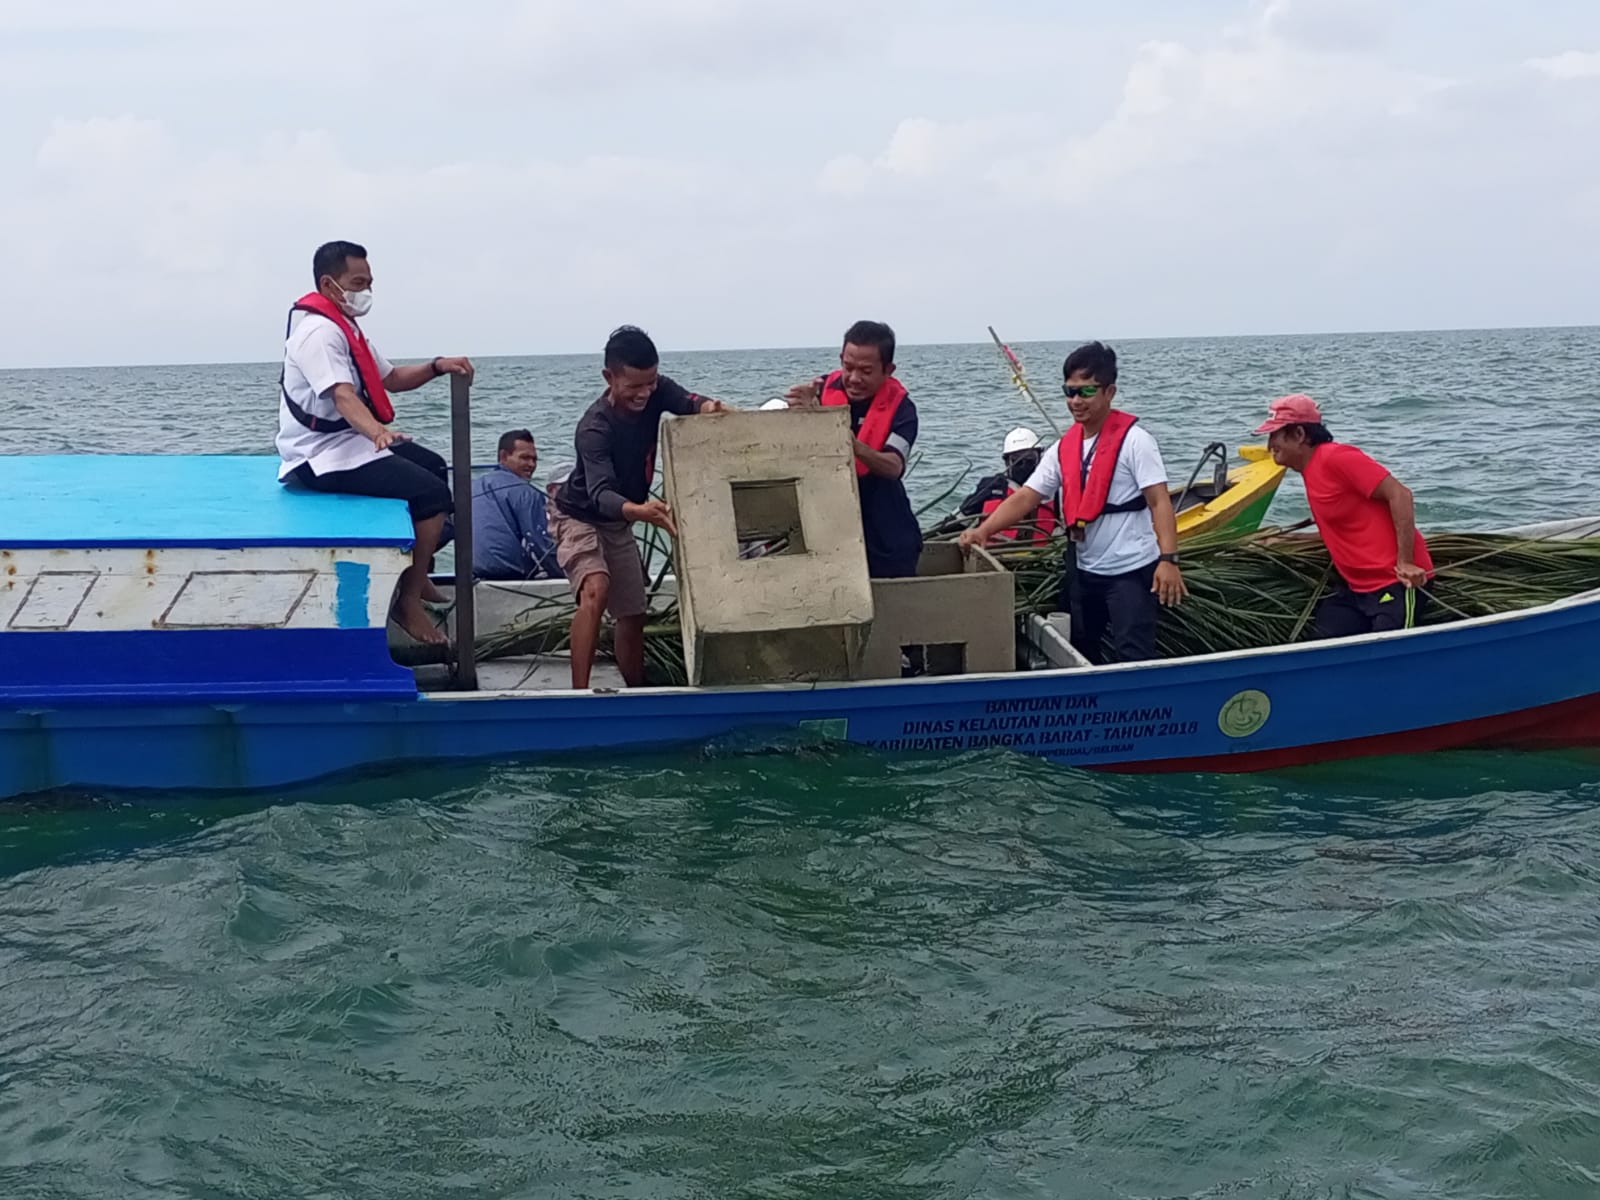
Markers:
<point>1367,520</point>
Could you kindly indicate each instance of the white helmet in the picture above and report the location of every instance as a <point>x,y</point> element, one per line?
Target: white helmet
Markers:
<point>1019,439</point>
<point>774,404</point>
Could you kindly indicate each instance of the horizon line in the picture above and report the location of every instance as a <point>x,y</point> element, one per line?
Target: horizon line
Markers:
<point>1183,337</point>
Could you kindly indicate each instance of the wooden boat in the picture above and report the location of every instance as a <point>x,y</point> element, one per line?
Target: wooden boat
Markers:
<point>183,622</point>
<point>1235,500</point>
<point>1230,500</point>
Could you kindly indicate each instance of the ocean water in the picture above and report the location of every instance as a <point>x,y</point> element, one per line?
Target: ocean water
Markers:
<point>1470,420</point>
<point>712,973</point>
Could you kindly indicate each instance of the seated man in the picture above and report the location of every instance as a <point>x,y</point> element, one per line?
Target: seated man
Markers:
<point>1020,454</point>
<point>334,411</point>
<point>510,539</point>
<point>1367,519</point>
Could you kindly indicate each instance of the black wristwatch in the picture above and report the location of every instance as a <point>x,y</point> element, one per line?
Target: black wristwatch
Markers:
<point>1171,558</point>
<point>436,371</point>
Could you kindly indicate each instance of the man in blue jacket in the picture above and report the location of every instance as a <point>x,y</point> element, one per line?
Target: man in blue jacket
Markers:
<point>510,539</point>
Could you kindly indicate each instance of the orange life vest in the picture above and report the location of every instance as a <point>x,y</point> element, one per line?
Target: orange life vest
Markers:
<point>875,426</point>
<point>1042,525</point>
<point>1084,492</point>
<point>366,364</point>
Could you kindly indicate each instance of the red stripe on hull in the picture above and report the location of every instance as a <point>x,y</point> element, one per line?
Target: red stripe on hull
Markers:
<point>1564,725</point>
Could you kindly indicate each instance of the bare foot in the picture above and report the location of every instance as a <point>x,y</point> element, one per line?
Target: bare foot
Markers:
<point>414,619</point>
<point>431,592</point>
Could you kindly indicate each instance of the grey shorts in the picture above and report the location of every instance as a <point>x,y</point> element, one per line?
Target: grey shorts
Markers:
<point>583,549</point>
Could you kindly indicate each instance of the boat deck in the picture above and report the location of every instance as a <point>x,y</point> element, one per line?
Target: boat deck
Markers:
<point>528,673</point>
<point>504,603</point>
<point>217,501</point>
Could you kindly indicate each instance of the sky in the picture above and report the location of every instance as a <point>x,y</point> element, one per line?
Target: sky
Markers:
<point>528,174</point>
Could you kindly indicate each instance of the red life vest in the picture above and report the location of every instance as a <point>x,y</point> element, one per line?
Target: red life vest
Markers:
<point>366,364</point>
<point>1042,525</point>
<point>1083,496</point>
<point>879,420</point>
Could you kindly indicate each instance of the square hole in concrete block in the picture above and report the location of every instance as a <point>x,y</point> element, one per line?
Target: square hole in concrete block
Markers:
<point>767,512</point>
<point>937,658</point>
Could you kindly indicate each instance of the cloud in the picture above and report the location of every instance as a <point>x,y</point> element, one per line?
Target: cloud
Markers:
<point>1574,64</point>
<point>1246,96</point>
<point>921,149</point>
<point>737,172</point>
<point>153,247</point>
<point>104,145</point>
<point>1279,166</point>
<point>1335,26</point>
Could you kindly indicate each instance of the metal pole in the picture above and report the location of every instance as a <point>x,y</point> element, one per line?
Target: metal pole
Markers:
<point>1021,380</point>
<point>461,476</point>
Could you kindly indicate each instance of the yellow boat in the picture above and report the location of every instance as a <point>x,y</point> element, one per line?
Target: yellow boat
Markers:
<point>1233,500</point>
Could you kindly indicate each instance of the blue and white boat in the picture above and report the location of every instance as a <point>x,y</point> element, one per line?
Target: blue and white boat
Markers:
<point>184,622</point>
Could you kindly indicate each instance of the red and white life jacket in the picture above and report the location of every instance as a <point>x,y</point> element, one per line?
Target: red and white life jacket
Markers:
<point>1085,487</point>
<point>878,422</point>
<point>1041,527</point>
<point>369,378</point>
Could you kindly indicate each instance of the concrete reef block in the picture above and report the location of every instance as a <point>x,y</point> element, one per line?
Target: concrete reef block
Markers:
<point>957,610</point>
<point>801,613</point>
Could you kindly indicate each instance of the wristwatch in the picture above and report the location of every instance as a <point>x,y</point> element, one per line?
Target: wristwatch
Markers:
<point>1171,558</point>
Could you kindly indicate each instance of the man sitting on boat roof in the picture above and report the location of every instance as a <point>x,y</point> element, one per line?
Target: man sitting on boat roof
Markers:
<point>1367,519</point>
<point>334,413</point>
<point>607,491</point>
<point>510,536</point>
<point>1020,454</point>
<point>884,421</point>
<point>1123,561</point>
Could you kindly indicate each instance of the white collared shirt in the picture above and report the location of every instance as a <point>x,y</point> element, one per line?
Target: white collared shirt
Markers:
<point>316,357</point>
<point>1118,542</point>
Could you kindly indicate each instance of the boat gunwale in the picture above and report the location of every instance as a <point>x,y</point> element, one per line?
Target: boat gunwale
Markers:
<point>1110,670</point>
<point>1562,529</point>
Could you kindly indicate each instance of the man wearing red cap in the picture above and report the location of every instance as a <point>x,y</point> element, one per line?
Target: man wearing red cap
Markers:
<point>1367,519</point>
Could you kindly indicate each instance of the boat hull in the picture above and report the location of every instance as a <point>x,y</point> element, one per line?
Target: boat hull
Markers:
<point>1527,680</point>
<point>1243,506</point>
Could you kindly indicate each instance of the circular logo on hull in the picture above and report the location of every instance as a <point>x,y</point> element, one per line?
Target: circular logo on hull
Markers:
<point>1244,713</point>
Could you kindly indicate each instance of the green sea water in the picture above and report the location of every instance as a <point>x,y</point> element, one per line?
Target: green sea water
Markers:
<point>833,973</point>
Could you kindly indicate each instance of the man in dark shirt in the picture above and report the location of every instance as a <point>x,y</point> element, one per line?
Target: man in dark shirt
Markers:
<point>608,491</point>
<point>884,421</point>
<point>511,537</point>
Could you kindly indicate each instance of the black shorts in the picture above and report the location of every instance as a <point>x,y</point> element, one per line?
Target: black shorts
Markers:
<point>411,473</point>
<point>1347,614</point>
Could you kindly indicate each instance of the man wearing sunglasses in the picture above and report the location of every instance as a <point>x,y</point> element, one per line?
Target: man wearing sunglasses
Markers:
<point>1123,562</point>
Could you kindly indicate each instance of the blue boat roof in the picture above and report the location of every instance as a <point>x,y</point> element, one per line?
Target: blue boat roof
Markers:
<point>52,501</point>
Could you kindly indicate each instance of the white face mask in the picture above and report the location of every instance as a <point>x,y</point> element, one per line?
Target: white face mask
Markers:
<point>358,304</point>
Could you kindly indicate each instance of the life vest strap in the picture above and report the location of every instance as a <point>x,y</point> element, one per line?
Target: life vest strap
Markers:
<point>311,421</point>
<point>1137,504</point>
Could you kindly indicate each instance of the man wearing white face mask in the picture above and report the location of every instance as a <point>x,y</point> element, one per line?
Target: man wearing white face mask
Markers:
<point>334,412</point>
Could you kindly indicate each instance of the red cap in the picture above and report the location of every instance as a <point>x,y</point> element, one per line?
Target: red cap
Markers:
<point>1298,409</point>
